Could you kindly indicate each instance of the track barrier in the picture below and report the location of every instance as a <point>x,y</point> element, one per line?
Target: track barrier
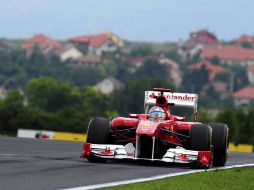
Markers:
<point>240,148</point>
<point>43,134</point>
<point>69,136</point>
<point>66,136</point>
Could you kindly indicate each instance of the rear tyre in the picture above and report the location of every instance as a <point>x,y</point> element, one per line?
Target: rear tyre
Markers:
<point>98,132</point>
<point>220,143</point>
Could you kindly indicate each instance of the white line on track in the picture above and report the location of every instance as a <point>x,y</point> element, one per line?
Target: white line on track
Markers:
<point>111,184</point>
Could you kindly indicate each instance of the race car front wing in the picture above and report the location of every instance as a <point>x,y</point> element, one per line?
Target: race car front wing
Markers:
<point>173,155</point>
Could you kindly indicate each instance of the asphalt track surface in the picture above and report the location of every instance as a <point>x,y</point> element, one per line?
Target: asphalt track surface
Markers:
<point>48,165</point>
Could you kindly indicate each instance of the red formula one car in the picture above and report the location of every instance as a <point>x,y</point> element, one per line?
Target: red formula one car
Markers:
<point>157,135</point>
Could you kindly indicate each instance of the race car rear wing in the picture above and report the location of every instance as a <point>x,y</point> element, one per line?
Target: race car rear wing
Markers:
<point>176,99</point>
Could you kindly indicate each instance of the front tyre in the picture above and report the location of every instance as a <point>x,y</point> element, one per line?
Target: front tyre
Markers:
<point>200,137</point>
<point>98,132</point>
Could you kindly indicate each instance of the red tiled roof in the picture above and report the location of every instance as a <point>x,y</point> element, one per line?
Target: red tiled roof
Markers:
<point>228,53</point>
<point>205,36</point>
<point>93,40</point>
<point>247,92</point>
<point>80,39</point>
<point>42,41</point>
<point>250,68</point>
<point>208,39</point>
<point>244,38</point>
<point>212,68</point>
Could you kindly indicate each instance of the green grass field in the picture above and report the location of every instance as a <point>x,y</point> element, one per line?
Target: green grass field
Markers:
<point>239,178</point>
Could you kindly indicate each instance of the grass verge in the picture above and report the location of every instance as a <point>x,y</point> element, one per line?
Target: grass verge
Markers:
<point>238,178</point>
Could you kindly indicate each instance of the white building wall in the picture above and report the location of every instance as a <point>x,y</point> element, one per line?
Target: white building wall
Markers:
<point>105,87</point>
<point>72,53</point>
<point>251,77</point>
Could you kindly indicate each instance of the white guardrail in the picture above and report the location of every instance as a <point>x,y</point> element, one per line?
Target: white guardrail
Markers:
<point>30,133</point>
<point>54,135</point>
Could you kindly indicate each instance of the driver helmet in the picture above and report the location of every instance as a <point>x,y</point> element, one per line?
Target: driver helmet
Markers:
<point>156,113</point>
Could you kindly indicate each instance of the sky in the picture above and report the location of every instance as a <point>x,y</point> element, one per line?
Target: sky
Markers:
<point>134,20</point>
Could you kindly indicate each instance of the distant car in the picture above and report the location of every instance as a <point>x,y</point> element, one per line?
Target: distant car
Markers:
<point>156,135</point>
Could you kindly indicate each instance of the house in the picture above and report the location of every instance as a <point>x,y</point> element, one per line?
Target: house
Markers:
<point>101,43</point>
<point>46,44</point>
<point>189,48</point>
<point>97,44</point>
<point>250,72</point>
<point>244,39</point>
<point>85,61</point>
<point>116,39</point>
<point>212,69</point>
<point>173,70</point>
<point>70,52</point>
<point>204,36</point>
<point>230,54</point>
<point>197,40</point>
<point>108,85</point>
<point>244,96</point>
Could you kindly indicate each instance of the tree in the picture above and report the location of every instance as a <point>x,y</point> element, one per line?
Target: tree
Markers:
<point>131,98</point>
<point>194,80</point>
<point>174,56</point>
<point>215,60</point>
<point>204,116</point>
<point>196,58</point>
<point>247,45</point>
<point>84,76</point>
<point>244,133</point>
<point>94,103</point>
<point>240,116</point>
<point>223,77</point>
<point>143,50</point>
<point>10,108</point>
<point>50,95</point>
<point>249,129</point>
<point>153,69</point>
<point>240,77</point>
<point>228,116</point>
<point>118,69</point>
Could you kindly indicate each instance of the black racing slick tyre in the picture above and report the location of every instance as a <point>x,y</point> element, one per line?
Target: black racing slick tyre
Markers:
<point>98,132</point>
<point>200,137</point>
<point>220,143</point>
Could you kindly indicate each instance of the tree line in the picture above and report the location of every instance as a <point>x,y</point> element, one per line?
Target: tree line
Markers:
<point>17,66</point>
<point>52,105</point>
